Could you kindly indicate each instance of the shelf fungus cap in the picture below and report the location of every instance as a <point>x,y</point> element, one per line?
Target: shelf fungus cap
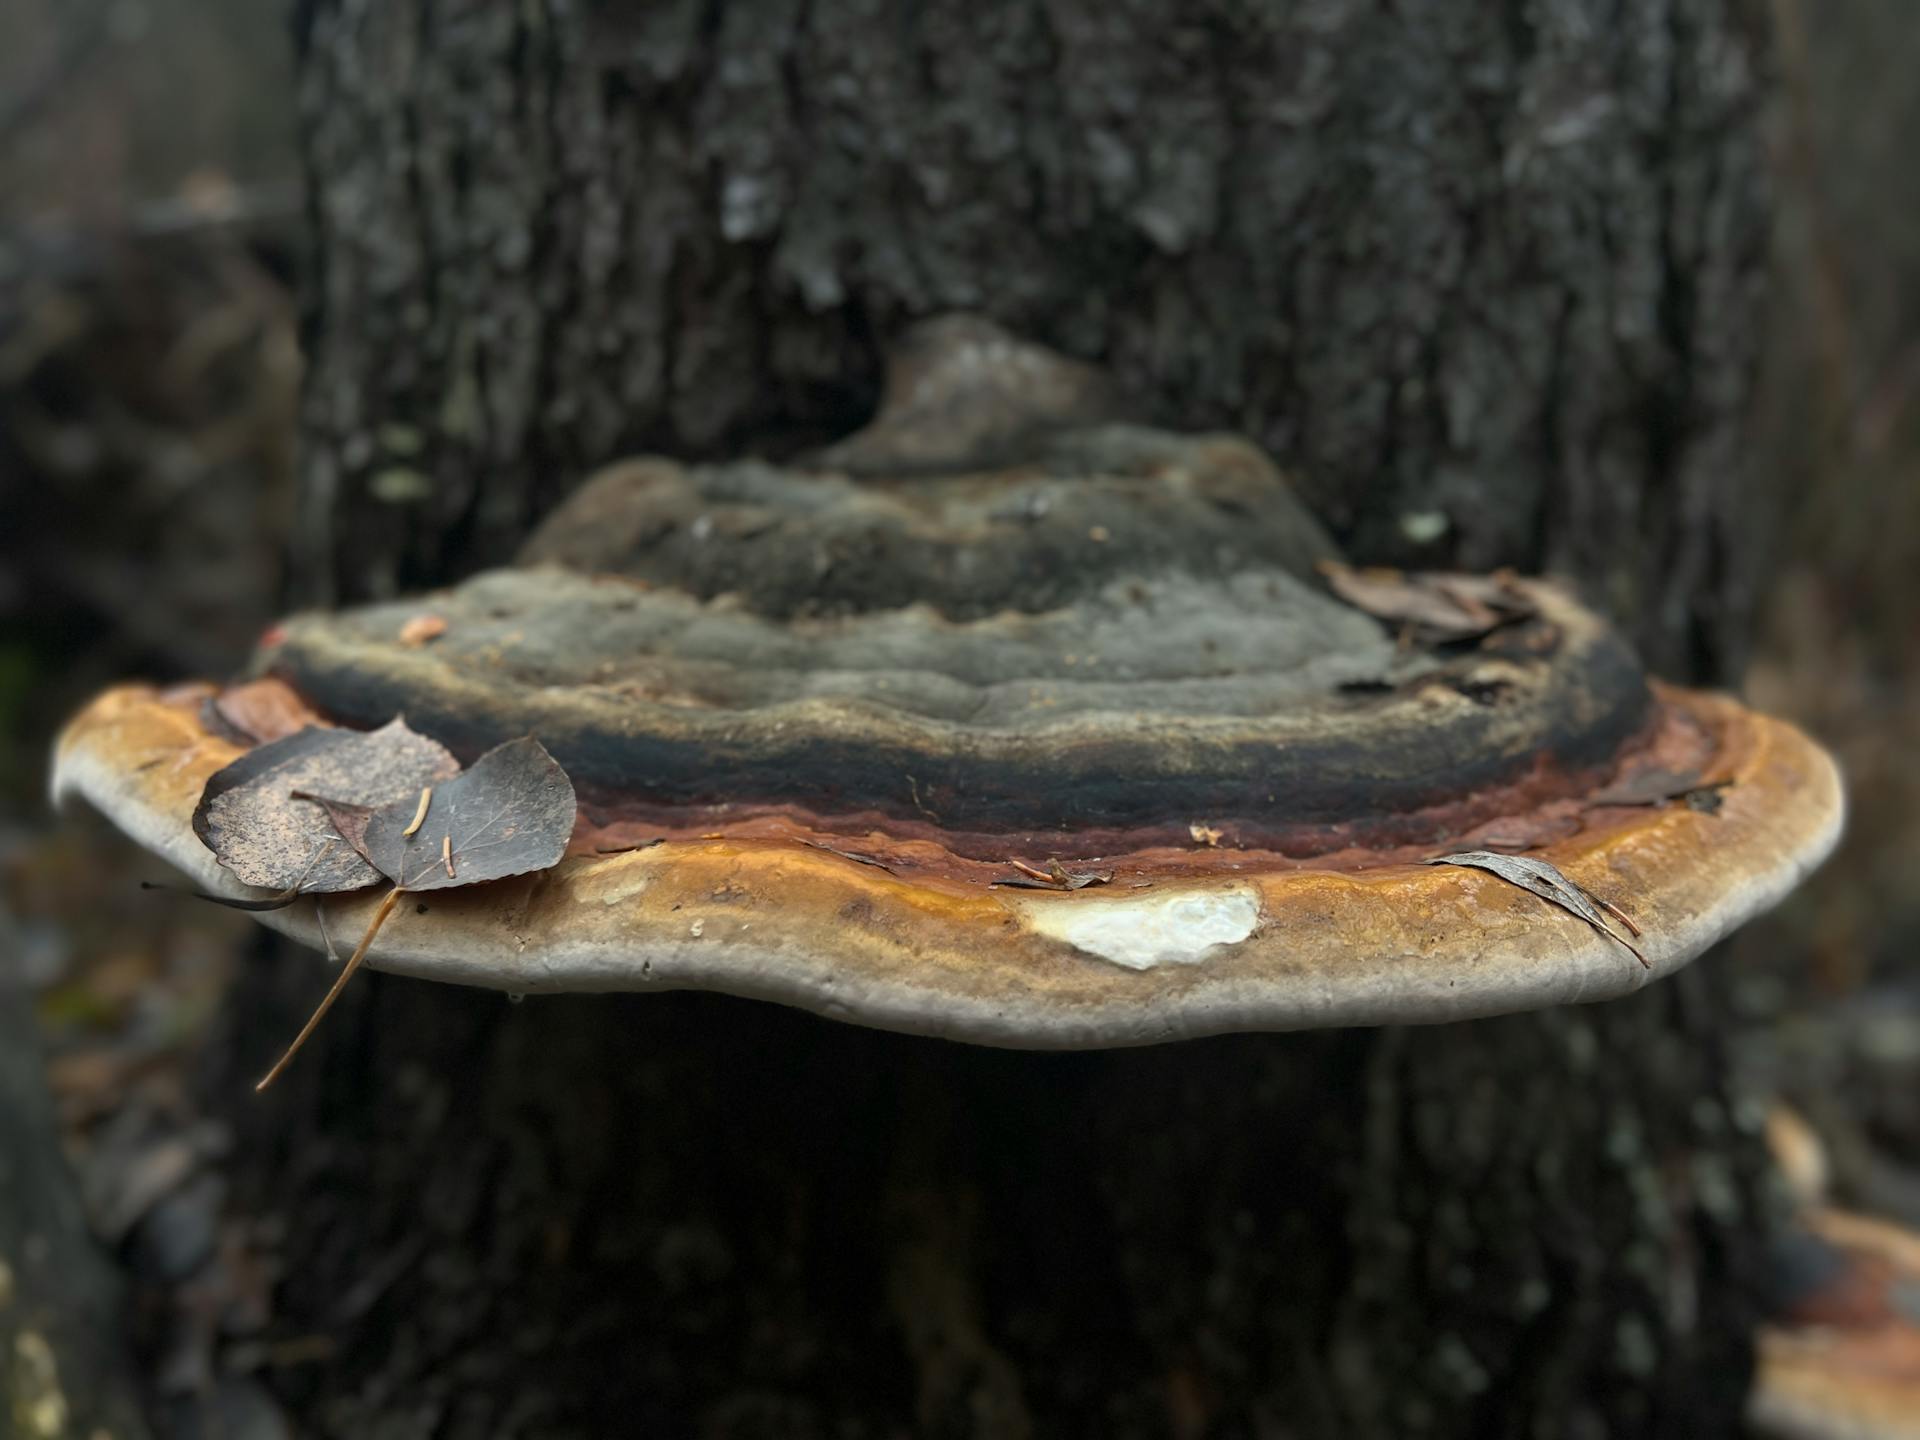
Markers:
<point>1094,745</point>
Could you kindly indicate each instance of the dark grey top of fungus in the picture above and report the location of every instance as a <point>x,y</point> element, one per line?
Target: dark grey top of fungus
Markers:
<point>1098,640</point>
<point>1082,510</point>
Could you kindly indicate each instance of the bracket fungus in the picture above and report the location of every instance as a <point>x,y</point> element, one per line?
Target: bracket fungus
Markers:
<point>1056,732</point>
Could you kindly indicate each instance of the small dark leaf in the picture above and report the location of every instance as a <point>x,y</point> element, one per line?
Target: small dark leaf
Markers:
<point>1707,799</point>
<point>509,813</point>
<point>1080,879</point>
<point>1435,606</point>
<point>250,815</point>
<point>348,819</point>
<point>259,711</point>
<point>852,855</point>
<point>1524,832</point>
<point>1549,884</point>
<point>1653,786</point>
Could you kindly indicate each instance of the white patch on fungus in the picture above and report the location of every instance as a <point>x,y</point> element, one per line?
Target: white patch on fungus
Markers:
<point>1177,927</point>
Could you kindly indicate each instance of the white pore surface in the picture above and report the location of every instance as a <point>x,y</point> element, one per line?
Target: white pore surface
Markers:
<point>1176,929</point>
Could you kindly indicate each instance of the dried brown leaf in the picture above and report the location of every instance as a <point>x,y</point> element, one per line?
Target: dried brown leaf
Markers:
<point>1436,606</point>
<point>1055,877</point>
<point>1549,884</point>
<point>259,818</point>
<point>1653,786</point>
<point>260,711</point>
<point>852,855</point>
<point>1708,798</point>
<point>509,813</point>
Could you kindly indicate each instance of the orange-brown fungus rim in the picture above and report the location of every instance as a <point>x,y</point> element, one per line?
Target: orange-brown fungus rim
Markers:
<point>1126,962</point>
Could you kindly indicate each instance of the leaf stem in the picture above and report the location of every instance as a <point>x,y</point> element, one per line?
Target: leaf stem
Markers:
<point>346,973</point>
<point>273,902</point>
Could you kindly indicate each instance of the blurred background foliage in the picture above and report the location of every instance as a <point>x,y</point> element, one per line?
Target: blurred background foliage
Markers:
<point>1841,418</point>
<point>150,233</point>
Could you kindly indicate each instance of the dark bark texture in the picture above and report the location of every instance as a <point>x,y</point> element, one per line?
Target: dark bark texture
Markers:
<point>690,1215</point>
<point>1485,278</point>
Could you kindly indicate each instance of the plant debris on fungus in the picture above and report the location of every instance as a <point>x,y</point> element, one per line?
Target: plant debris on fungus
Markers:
<point>905,746</point>
<point>319,812</point>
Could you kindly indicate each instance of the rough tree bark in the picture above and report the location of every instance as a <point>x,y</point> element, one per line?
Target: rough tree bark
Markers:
<point>1486,278</point>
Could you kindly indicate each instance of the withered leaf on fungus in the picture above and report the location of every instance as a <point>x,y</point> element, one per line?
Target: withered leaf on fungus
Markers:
<point>329,810</point>
<point>260,819</point>
<point>1055,877</point>
<point>1658,786</point>
<point>1433,606</point>
<point>325,810</point>
<point>509,813</point>
<point>1652,786</point>
<point>1550,885</point>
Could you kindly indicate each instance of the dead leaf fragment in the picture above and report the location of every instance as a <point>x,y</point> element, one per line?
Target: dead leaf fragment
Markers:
<point>260,819</point>
<point>852,855</point>
<point>1550,885</point>
<point>422,629</point>
<point>1434,606</point>
<point>509,813</point>
<point>1708,798</point>
<point>1525,832</point>
<point>1653,786</point>
<point>349,820</point>
<point>260,711</point>
<point>1657,786</point>
<point>1055,877</point>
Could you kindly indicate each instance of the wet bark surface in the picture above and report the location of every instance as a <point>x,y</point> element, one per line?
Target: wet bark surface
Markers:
<point>1484,280</point>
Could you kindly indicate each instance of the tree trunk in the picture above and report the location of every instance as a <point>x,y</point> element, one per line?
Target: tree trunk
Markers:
<point>1485,278</point>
